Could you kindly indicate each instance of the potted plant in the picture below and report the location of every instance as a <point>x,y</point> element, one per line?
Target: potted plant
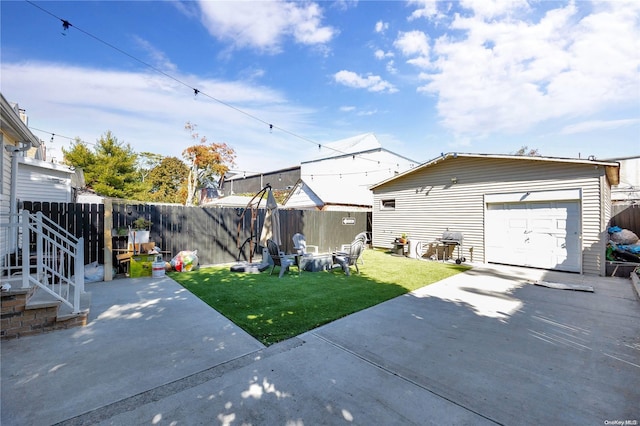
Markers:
<point>403,238</point>
<point>142,224</point>
<point>141,228</point>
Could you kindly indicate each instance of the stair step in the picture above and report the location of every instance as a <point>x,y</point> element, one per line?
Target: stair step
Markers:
<point>42,299</point>
<point>64,312</point>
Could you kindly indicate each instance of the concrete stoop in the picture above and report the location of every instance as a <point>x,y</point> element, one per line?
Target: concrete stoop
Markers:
<point>25,312</point>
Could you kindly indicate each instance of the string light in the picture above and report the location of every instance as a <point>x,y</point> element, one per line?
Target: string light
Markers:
<point>66,25</point>
<point>61,136</point>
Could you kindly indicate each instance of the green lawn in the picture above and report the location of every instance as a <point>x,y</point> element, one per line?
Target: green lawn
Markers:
<point>273,309</point>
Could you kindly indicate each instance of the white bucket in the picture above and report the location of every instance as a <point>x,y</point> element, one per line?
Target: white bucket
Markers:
<point>157,269</point>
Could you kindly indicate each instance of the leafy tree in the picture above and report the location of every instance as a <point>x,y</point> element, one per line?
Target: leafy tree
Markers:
<point>110,169</point>
<point>168,181</point>
<point>146,162</point>
<point>206,162</point>
<point>525,151</point>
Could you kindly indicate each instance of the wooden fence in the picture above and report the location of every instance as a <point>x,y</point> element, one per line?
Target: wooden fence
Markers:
<point>215,232</point>
<point>626,217</point>
<point>80,220</point>
<point>218,233</point>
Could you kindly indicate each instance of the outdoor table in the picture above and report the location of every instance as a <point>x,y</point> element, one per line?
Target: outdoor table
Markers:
<point>316,262</point>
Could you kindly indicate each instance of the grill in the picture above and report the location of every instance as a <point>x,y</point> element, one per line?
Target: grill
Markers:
<point>452,239</point>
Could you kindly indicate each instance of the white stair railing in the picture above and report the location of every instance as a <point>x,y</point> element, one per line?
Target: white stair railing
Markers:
<point>44,255</point>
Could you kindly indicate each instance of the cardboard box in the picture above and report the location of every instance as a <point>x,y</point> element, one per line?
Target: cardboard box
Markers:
<point>141,265</point>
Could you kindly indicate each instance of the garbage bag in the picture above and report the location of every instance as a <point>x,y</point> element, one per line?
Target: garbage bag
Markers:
<point>93,272</point>
<point>185,261</point>
<point>623,236</point>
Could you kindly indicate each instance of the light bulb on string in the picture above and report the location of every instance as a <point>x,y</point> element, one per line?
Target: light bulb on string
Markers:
<point>65,27</point>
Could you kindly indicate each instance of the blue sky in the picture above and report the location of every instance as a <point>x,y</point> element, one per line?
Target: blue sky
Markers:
<point>425,76</point>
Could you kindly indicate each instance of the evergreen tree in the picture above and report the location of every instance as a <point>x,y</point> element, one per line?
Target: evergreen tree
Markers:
<point>110,169</point>
<point>80,156</point>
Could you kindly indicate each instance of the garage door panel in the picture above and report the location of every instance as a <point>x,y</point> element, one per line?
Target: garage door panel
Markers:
<point>543,235</point>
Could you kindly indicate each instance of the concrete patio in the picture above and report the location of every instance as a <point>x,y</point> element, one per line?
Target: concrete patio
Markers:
<point>482,347</point>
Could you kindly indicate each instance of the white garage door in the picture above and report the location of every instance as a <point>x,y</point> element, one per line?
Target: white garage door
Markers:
<point>537,234</point>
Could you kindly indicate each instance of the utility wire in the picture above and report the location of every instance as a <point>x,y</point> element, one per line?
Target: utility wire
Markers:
<point>66,25</point>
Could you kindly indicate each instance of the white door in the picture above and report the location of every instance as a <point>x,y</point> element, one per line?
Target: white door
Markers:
<point>537,234</point>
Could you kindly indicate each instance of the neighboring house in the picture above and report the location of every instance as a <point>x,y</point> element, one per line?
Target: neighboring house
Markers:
<point>628,190</point>
<point>543,212</point>
<point>42,181</point>
<point>29,242</point>
<point>241,183</point>
<point>339,179</point>
<point>23,160</point>
<point>15,140</point>
<point>233,201</point>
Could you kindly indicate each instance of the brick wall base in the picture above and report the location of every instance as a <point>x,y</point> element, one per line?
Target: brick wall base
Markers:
<point>17,321</point>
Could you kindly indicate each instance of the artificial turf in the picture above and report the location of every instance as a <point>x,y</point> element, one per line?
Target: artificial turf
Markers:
<point>273,309</point>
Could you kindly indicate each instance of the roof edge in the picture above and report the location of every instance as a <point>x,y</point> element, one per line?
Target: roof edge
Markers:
<point>611,175</point>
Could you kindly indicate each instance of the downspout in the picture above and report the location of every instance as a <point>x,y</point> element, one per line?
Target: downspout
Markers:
<point>13,202</point>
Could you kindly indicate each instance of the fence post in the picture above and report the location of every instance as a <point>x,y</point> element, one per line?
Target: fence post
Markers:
<point>78,281</point>
<point>108,240</point>
<point>24,223</point>
<point>40,272</point>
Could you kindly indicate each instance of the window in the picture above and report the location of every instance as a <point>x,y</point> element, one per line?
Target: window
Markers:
<point>388,204</point>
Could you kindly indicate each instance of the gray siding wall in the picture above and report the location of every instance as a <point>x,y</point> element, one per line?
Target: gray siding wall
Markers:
<point>428,203</point>
<point>36,184</point>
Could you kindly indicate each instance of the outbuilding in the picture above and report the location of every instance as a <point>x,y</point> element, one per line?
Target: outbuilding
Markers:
<point>541,212</point>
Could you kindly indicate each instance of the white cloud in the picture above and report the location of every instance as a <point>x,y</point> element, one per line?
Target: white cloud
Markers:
<point>494,8</point>
<point>149,111</point>
<point>265,24</point>
<point>158,58</point>
<point>415,44</point>
<point>373,83</point>
<point>391,67</point>
<point>347,108</point>
<point>596,125</point>
<point>381,54</point>
<point>381,27</point>
<point>426,9</point>
<point>509,74</point>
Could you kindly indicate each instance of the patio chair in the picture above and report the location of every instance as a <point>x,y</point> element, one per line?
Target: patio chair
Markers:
<point>344,249</point>
<point>301,246</point>
<point>280,259</point>
<point>348,259</point>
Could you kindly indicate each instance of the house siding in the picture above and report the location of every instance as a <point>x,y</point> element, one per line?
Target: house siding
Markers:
<point>428,203</point>
<point>43,184</point>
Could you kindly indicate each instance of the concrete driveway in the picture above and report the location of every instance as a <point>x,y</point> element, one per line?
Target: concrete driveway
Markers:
<point>483,347</point>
